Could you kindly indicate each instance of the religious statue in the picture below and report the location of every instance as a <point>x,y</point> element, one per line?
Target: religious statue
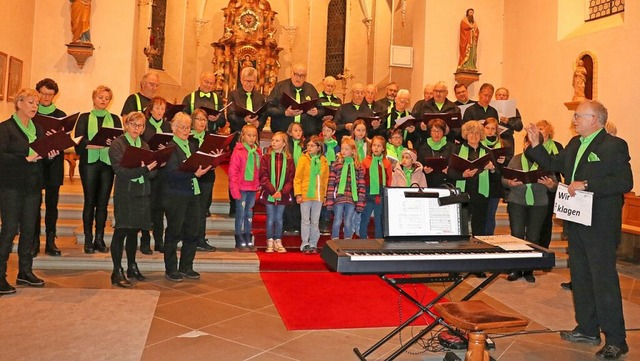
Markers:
<point>579,81</point>
<point>469,34</point>
<point>80,21</point>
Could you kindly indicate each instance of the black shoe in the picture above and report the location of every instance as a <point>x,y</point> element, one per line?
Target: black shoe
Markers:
<point>133,271</point>
<point>513,276</point>
<point>145,243</point>
<point>529,277</point>
<point>174,277</point>
<point>575,336</point>
<point>98,243</point>
<point>566,286</point>
<point>118,279</point>
<point>88,244</point>
<point>190,274</point>
<point>480,274</point>
<point>50,247</point>
<point>611,352</point>
<point>203,245</point>
<point>6,288</point>
<point>29,279</point>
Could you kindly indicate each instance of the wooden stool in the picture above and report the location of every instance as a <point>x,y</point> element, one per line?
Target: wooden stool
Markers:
<point>476,317</point>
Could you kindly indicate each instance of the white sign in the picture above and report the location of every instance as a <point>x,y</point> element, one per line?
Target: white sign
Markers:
<point>576,209</point>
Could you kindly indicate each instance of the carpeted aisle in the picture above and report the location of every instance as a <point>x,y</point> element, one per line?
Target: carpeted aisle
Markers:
<point>76,324</point>
<point>293,260</point>
<point>328,300</point>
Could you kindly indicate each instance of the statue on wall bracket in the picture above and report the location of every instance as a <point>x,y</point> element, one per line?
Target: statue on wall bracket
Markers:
<point>80,46</point>
<point>467,72</point>
<point>248,40</point>
<point>583,80</point>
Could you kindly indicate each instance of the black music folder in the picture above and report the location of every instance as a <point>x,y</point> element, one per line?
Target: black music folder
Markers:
<point>369,119</point>
<point>437,164</point>
<point>460,164</point>
<point>159,139</point>
<point>215,112</point>
<point>134,156</point>
<point>64,124</point>
<point>330,111</point>
<point>243,112</point>
<point>287,101</point>
<point>453,120</point>
<point>408,121</point>
<point>525,177</point>
<point>105,134</point>
<point>56,141</point>
<point>500,152</point>
<point>216,142</point>
<point>200,159</point>
<point>172,110</point>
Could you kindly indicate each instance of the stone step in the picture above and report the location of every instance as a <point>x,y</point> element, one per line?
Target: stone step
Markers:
<point>74,258</point>
<point>216,237</point>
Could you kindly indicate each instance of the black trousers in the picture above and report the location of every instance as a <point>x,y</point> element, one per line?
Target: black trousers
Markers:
<point>157,211</point>
<point>478,214</point>
<point>117,243</point>
<point>51,196</point>
<point>547,225</point>
<point>183,217</point>
<point>19,209</point>
<point>206,196</point>
<point>97,182</point>
<point>526,221</point>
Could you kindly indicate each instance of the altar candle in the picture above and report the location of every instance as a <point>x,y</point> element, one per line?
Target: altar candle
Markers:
<point>203,4</point>
<point>291,13</point>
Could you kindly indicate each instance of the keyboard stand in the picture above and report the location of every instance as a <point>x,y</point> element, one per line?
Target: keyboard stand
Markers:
<point>422,309</point>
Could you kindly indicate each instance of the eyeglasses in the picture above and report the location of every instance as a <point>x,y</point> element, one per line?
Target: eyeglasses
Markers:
<point>47,94</point>
<point>136,125</point>
<point>299,75</point>
<point>183,127</point>
<point>440,91</point>
<point>201,118</point>
<point>578,115</point>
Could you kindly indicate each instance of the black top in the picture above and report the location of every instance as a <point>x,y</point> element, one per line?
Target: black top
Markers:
<point>131,104</point>
<point>17,172</point>
<point>213,101</point>
<point>82,128</point>
<point>311,125</point>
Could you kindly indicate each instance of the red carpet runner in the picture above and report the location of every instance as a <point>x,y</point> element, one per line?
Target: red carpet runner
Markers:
<point>328,300</point>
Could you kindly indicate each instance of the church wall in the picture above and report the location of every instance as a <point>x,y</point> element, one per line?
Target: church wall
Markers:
<point>538,68</point>
<point>12,43</point>
<point>112,26</point>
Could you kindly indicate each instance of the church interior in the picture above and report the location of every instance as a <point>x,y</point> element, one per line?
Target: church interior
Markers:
<point>529,47</point>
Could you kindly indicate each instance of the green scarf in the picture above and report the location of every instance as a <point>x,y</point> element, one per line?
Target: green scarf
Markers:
<point>528,197</point>
<point>348,167</point>
<point>157,124</point>
<point>29,131</point>
<point>46,110</point>
<point>407,175</point>
<point>483,180</point>
<point>184,145</point>
<point>330,152</point>
<point>199,136</point>
<point>135,143</point>
<point>395,152</point>
<point>550,146</point>
<point>360,147</point>
<point>374,175</point>
<point>297,151</point>
<point>436,146</point>
<point>491,144</point>
<point>93,155</point>
<point>313,177</point>
<point>253,161</point>
<point>283,173</point>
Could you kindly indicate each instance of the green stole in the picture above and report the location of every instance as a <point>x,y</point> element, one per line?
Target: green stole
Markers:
<point>407,175</point>
<point>528,197</point>
<point>253,161</point>
<point>483,178</point>
<point>93,155</point>
<point>29,131</point>
<point>135,143</point>
<point>436,146</point>
<point>283,172</point>
<point>491,144</point>
<point>395,152</point>
<point>374,175</point>
<point>157,124</point>
<point>348,167</point>
<point>199,136</point>
<point>46,110</point>
<point>184,145</point>
<point>297,151</point>
<point>551,147</point>
<point>313,177</point>
<point>330,152</point>
<point>360,147</point>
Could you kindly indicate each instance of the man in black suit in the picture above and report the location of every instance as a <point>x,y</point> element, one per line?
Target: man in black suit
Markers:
<point>300,90</point>
<point>206,96</point>
<point>599,163</point>
<point>437,104</point>
<point>149,85</point>
<point>349,112</point>
<point>387,103</point>
<point>462,94</point>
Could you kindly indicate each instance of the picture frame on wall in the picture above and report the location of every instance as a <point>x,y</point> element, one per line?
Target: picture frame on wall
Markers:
<point>15,77</point>
<point>3,74</point>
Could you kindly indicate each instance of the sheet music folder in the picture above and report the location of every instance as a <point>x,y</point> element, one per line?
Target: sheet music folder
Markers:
<point>414,215</point>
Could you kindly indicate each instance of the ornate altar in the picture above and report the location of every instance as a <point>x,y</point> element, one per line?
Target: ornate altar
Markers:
<point>248,40</point>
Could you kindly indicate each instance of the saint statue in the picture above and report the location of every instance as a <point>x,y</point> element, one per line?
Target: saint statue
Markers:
<point>579,81</point>
<point>469,34</point>
<point>80,20</point>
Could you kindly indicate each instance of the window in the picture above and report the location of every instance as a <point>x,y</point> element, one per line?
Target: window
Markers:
<point>602,8</point>
<point>336,29</point>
